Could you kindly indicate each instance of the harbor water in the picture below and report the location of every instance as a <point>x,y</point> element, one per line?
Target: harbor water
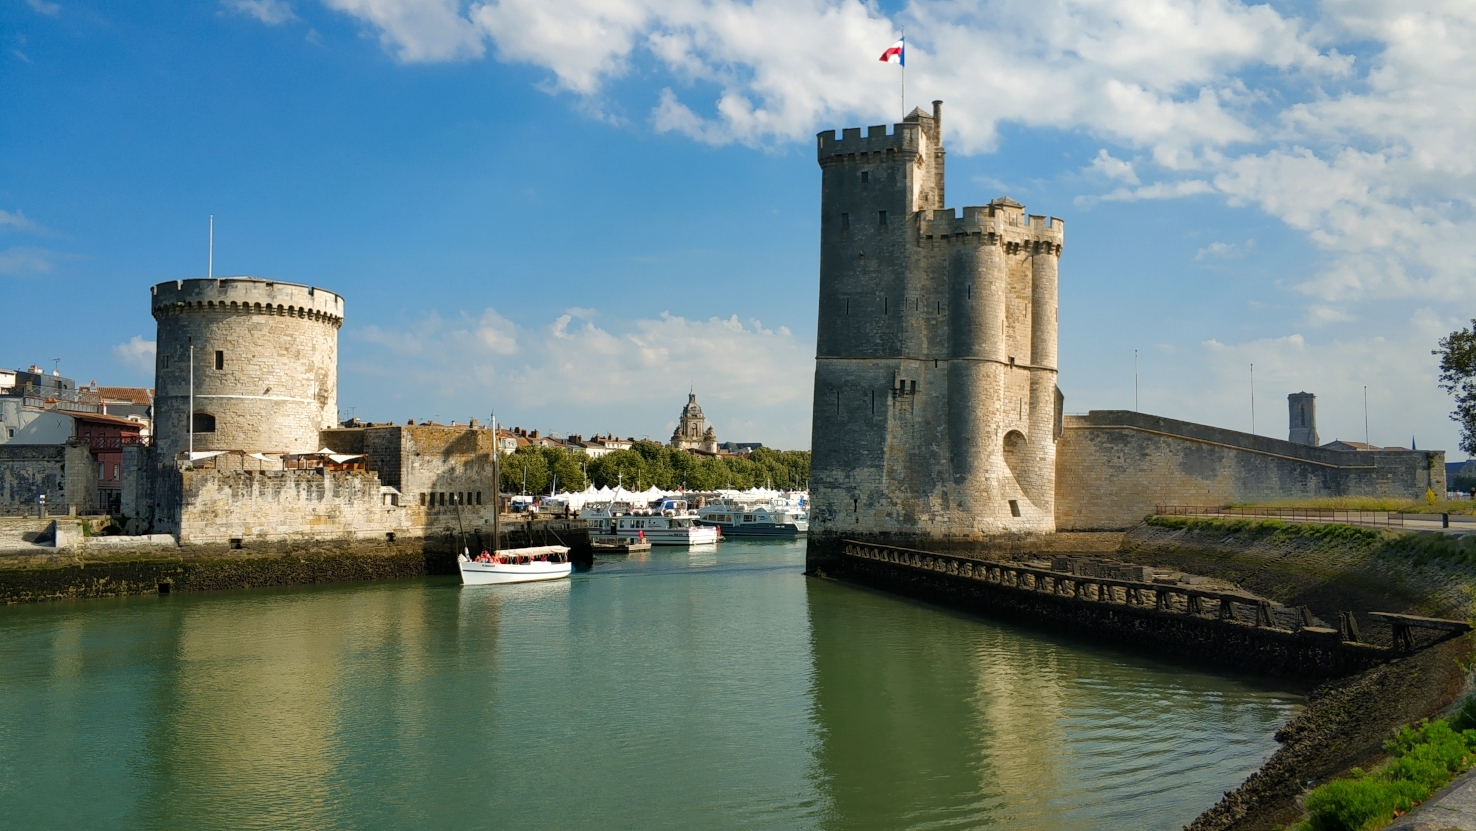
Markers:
<point>675,690</point>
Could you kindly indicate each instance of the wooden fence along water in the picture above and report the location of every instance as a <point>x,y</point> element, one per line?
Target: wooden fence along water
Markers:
<point>1225,628</point>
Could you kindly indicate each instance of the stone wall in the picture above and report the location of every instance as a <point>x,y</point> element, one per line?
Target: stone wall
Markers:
<point>444,473</point>
<point>278,378</point>
<point>65,473</point>
<point>1113,467</point>
<point>935,382</point>
<point>271,506</point>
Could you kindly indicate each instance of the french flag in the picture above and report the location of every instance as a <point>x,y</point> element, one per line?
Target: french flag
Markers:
<point>896,53</point>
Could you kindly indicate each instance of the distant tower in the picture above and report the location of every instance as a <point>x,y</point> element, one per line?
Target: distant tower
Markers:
<point>692,431</point>
<point>265,365</point>
<point>1302,412</point>
<point>935,405</point>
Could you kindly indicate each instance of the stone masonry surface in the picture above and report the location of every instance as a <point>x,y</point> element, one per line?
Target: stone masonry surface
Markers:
<point>935,383</point>
<point>1114,467</point>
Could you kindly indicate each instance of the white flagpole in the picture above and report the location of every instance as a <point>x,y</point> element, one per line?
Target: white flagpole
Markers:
<point>210,263</point>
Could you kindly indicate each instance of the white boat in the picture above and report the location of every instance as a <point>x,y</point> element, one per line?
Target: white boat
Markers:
<point>516,565</point>
<point>739,519</point>
<point>660,529</point>
<point>601,515</point>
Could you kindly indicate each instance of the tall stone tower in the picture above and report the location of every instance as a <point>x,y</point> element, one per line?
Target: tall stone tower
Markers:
<point>936,409</point>
<point>265,365</point>
<point>1302,416</point>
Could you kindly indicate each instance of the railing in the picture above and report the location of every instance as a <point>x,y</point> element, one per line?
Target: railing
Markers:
<point>1351,517</point>
<point>97,443</point>
<point>74,400</point>
<point>1230,606</point>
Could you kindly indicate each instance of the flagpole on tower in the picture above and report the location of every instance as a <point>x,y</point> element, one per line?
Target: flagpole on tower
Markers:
<point>904,74</point>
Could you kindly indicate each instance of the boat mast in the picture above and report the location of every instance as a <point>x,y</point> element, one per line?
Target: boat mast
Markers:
<point>496,487</point>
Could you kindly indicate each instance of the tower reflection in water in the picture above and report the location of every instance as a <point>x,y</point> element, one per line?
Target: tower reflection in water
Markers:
<point>934,719</point>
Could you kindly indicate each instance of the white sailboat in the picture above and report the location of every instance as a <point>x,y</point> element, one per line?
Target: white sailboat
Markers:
<point>511,565</point>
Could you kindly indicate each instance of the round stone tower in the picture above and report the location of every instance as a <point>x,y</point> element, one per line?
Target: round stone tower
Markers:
<point>265,365</point>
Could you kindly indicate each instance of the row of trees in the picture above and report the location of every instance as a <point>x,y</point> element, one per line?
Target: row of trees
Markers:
<point>647,463</point>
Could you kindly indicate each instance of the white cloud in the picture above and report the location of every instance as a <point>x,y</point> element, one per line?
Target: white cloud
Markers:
<point>28,260</point>
<point>43,7</point>
<point>270,12</point>
<point>1393,360</point>
<point>19,222</point>
<point>1107,166</point>
<point>137,353</point>
<point>417,30</point>
<point>1224,250</point>
<point>575,376</point>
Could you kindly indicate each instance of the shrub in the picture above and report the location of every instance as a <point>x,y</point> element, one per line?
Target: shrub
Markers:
<point>1426,757</point>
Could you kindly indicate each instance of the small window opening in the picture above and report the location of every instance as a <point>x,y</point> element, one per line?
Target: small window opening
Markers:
<point>971,291</point>
<point>422,499</point>
<point>865,176</point>
<point>873,402</point>
<point>1014,508</point>
<point>164,361</point>
<point>837,402</point>
<point>389,536</point>
<point>914,386</point>
<point>848,307</point>
<point>202,423</point>
<point>881,217</point>
<point>219,359</point>
<point>845,220</point>
<point>884,305</point>
<point>856,506</point>
<point>236,543</point>
<point>479,497</point>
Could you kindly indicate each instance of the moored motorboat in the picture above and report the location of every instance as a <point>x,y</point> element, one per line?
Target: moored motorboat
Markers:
<point>516,565</point>
<point>737,519</point>
<point>659,529</point>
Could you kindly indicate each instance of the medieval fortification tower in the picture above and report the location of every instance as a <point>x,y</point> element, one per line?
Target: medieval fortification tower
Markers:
<point>265,365</point>
<point>936,409</point>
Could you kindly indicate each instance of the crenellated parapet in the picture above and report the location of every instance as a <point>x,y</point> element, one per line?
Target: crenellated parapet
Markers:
<point>247,295</point>
<point>905,140</point>
<point>993,224</point>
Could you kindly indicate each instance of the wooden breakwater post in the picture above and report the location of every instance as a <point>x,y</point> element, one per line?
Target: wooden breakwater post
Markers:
<point>1223,629</point>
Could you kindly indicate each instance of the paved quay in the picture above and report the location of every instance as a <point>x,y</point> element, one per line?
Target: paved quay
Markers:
<point>1453,809</point>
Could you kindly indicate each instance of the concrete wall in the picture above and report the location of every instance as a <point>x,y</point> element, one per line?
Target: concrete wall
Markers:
<point>278,385</point>
<point>26,425</point>
<point>1113,467</point>
<point>935,381</point>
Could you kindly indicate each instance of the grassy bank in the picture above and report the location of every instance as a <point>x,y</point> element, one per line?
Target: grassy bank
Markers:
<point>1327,567</point>
<point>1423,759</point>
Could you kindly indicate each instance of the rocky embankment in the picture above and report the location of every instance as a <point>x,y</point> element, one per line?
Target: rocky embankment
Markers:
<point>1329,569</point>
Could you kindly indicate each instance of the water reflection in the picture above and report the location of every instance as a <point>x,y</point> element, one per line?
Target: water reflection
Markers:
<point>933,719</point>
<point>708,689</point>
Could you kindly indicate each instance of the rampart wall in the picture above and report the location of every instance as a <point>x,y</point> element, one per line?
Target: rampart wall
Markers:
<point>1113,467</point>
<point>256,506</point>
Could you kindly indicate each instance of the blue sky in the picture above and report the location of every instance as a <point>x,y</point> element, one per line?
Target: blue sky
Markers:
<point>573,211</point>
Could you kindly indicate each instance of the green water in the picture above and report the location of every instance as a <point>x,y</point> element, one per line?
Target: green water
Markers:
<point>684,690</point>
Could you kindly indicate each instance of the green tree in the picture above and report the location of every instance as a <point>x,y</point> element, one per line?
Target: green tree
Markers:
<point>527,460</point>
<point>563,465</point>
<point>1457,354</point>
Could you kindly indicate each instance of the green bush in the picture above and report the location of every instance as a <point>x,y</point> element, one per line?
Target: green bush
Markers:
<point>1425,758</point>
